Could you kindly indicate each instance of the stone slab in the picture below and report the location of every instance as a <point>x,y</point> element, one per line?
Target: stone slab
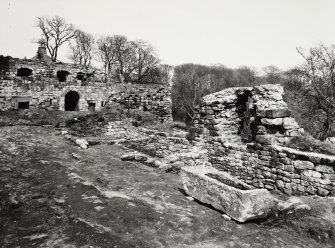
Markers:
<point>235,198</point>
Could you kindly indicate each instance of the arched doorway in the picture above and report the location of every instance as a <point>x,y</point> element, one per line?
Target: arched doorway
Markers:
<point>71,101</point>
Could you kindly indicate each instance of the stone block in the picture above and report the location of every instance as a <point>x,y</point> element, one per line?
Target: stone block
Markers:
<point>278,113</point>
<point>303,165</point>
<point>280,184</point>
<point>311,190</point>
<point>311,173</point>
<point>272,122</point>
<point>325,169</point>
<point>226,193</point>
<point>301,188</point>
<point>322,192</point>
<point>290,123</point>
<point>265,139</point>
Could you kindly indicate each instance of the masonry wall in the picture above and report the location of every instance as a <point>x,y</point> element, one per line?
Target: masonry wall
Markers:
<point>153,98</point>
<point>44,89</point>
<point>276,168</point>
<point>245,131</point>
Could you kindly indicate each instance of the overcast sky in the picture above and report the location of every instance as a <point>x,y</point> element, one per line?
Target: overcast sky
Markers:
<point>255,33</point>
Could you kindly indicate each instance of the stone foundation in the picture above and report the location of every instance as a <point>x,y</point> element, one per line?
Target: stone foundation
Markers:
<point>276,168</point>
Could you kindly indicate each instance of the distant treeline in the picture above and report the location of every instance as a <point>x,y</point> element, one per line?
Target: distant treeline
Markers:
<point>309,88</point>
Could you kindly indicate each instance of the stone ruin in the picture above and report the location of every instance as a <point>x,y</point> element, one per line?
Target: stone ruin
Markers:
<point>41,83</point>
<point>245,131</point>
<point>246,114</point>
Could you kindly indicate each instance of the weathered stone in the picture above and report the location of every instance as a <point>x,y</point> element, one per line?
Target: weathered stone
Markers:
<point>301,188</point>
<point>264,139</point>
<point>325,169</point>
<point>278,113</point>
<point>233,197</point>
<point>311,190</point>
<point>292,204</point>
<point>82,143</point>
<point>140,157</point>
<point>274,122</point>
<point>290,123</point>
<point>303,165</point>
<point>322,192</point>
<point>285,161</point>
<point>310,173</point>
<point>128,157</point>
<point>280,184</point>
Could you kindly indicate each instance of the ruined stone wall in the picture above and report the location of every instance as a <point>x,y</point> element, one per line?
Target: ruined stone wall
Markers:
<point>42,88</point>
<point>153,98</point>
<point>245,131</point>
<point>245,114</point>
<point>276,168</point>
<point>45,88</point>
<point>159,144</point>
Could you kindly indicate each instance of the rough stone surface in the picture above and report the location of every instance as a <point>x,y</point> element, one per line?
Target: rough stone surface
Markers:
<point>245,131</point>
<point>241,205</point>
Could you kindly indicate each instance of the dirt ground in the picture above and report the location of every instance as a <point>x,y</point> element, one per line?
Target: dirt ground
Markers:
<point>50,198</point>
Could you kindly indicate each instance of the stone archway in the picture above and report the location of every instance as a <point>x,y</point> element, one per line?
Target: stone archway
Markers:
<point>72,101</point>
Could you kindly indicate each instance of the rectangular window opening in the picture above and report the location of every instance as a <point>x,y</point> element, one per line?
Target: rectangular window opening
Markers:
<point>23,105</point>
<point>91,106</point>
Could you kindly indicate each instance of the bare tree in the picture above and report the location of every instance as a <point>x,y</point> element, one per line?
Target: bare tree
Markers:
<point>319,69</point>
<point>129,61</point>
<point>115,54</point>
<point>106,52</point>
<point>273,75</point>
<point>55,32</point>
<point>82,48</point>
<point>146,61</point>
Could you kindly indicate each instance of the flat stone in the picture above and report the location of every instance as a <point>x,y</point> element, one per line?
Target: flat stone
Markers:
<point>290,123</point>
<point>272,122</point>
<point>128,157</point>
<point>292,203</point>
<point>235,198</point>
<point>325,169</point>
<point>303,165</point>
<point>140,157</point>
<point>310,173</point>
<point>277,113</point>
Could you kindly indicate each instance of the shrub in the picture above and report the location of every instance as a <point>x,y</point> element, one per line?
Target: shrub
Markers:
<point>309,144</point>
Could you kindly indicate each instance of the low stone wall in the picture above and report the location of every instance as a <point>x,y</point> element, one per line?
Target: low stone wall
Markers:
<point>276,168</point>
<point>122,128</point>
<point>174,151</point>
<point>160,146</point>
